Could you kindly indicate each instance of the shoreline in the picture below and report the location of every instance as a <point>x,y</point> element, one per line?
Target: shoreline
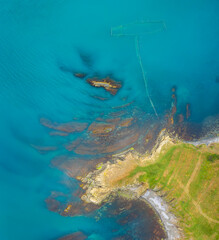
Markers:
<point>168,219</point>
<point>115,177</point>
<point>205,141</point>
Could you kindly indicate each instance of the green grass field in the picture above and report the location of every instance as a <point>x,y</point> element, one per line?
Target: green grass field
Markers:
<point>189,178</point>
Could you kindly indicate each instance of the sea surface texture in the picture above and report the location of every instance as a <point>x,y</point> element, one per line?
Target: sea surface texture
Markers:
<point>58,122</point>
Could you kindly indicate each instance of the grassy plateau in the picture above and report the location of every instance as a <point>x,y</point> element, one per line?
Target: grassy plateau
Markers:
<point>189,180</point>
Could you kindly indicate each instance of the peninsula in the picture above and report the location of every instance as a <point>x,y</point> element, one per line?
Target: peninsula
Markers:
<point>179,180</point>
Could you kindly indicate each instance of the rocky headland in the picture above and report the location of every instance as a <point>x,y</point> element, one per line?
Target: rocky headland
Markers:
<point>162,177</point>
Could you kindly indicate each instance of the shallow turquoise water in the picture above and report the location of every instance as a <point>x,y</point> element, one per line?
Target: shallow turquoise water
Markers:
<point>38,39</point>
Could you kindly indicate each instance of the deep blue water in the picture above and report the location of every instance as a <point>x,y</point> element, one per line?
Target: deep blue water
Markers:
<point>40,38</point>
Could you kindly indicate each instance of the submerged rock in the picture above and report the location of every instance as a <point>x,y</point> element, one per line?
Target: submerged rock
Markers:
<point>80,75</point>
<point>74,236</point>
<point>188,111</point>
<point>68,127</point>
<point>101,128</point>
<point>126,122</point>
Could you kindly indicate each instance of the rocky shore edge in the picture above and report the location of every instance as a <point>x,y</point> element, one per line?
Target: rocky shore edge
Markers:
<point>102,183</point>
<point>168,219</point>
<point>162,208</point>
<point>206,141</point>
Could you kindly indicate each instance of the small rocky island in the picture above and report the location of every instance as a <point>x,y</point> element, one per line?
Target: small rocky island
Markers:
<point>107,83</point>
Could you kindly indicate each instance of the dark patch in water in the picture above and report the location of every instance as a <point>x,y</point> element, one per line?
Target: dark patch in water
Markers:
<point>66,69</point>
<point>135,218</point>
<point>86,59</point>
<point>71,208</point>
<point>74,236</point>
<point>77,74</point>
<point>69,127</point>
<point>80,75</point>
<point>132,219</point>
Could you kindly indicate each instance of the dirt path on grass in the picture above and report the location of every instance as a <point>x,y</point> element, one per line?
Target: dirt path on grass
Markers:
<point>196,204</point>
<point>206,189</point>
<point>192,177</point>
<point>174,174</point>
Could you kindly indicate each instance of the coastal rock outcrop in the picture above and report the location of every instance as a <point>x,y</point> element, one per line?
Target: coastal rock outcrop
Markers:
<point>99,184</point>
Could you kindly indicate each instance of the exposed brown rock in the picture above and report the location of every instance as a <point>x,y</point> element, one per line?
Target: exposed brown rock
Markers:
<point>107,83</point>
<point>109,179</point>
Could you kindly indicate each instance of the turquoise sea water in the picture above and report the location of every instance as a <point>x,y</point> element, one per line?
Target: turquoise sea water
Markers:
<point>42,43</point>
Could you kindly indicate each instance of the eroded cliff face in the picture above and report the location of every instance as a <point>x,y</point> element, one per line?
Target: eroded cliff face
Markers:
<point>111,177</point>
